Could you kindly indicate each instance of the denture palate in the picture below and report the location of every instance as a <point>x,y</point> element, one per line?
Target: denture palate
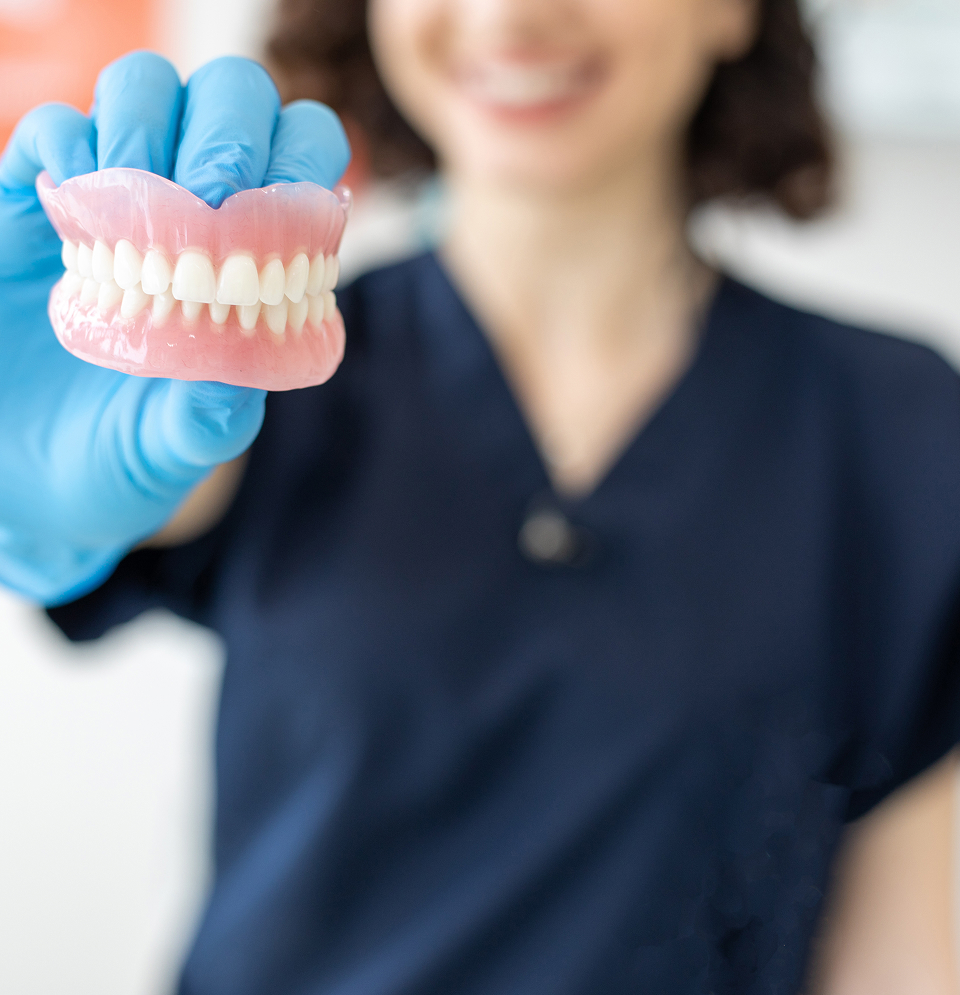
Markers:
<point>291,294</point>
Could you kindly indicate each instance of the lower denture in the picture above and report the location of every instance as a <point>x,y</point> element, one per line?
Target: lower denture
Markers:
<point>244,294</point>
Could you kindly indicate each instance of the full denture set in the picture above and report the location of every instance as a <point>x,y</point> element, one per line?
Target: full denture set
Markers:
<point>158,283</point>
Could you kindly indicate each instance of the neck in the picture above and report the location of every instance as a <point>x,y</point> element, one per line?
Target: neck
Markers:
<point>605,263</point>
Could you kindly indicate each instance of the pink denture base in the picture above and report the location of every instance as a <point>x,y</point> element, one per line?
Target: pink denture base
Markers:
<point>284,222</point>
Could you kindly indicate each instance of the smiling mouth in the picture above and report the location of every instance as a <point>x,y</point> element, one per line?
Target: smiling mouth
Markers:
<point>529,86</point>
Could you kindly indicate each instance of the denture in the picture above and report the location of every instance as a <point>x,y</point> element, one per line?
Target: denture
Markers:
<point>160,284</point>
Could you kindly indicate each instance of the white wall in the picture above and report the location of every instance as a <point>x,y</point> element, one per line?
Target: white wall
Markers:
<point>105,778</point>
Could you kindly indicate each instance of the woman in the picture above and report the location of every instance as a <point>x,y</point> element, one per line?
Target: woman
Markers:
<point>571,620</point>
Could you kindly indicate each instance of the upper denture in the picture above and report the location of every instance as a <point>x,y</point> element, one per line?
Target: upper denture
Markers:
<point>148,212</point>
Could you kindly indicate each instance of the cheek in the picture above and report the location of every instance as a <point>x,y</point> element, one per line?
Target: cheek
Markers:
<point>406,37</point>
<point>660,70</point>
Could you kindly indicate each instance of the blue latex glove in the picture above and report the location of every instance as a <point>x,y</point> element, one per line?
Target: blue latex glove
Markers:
<point>93,461</point>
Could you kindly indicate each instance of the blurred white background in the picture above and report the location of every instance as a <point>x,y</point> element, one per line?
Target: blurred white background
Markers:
<point>105,778</point>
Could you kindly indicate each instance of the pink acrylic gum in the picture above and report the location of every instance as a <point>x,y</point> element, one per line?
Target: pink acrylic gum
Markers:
<point>158,283</point>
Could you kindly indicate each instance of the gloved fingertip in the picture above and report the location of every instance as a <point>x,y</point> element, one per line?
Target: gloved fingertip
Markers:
<point>309,143</point>
<point>52,137</point>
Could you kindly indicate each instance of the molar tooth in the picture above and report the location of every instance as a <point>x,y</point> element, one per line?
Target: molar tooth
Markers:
<point>276,315</point>
<point>134,299</point>
<point>157,273</point>
<point>84,260</point>
<point>329,305</point>
<point>315,312</point>
<point>194,279</point>
<point>90,291</point>
<point>239,282</point>
<point>331,273</point>
<point>102,263</point>
<point>69,256</point>
<point>298,271</point>
<point>247,315</point>
<point>273,280</point>
<point>163,305</point>
<point>297,313</point>
<point>315,279</point>
<point>127,264</point>
<point>219,313</point>
<point>191,309</point>
<point>109,295</point>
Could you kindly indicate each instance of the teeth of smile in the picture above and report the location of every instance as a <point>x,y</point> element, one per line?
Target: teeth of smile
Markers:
<point>279,296</point>
<point>518,86</point>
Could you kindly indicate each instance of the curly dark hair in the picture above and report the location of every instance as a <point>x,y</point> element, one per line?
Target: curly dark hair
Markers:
<point>758,130</point>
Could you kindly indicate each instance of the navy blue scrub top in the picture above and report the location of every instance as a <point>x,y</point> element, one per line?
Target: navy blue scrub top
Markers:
<point>613,756</point>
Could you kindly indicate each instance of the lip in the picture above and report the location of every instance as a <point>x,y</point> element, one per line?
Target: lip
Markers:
<point>525,89</point>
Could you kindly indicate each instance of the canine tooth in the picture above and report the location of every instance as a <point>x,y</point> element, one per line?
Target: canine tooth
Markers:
<point>102,263</point>
<point>331,273</point>
<point>90,291</point>
<point>194,279</point>
<point>298,270</point>
<point>315,312</point>
<point>239,282</point>
<point>315,279</point>
<point>69,256</point>
<point>191,309</point>
<point>273,280</point>
<point>157,273</point>
<point>163,305</point>
<point>276,317</point>
<point>127,264</point>
<point>329,305</point>
<point>297,313</point>
<point>134,301</point>
<point>72,283</point>
<point>84,260</point>
<point>109,295</point>
<point>219,313</point>
<point>247,315</point>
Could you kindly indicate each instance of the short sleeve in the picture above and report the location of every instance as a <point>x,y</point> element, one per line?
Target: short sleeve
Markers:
<point>902,547</point>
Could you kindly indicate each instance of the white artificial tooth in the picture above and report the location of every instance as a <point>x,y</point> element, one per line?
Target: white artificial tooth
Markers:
<point>156,274</point>
<point>134,300</point>
<point>276,317</point>
<point>163,305</point>
<point>109,295</point>
<point>72,283</point>
<point>297,313</point>
<point>315,279</point>
<point>194,279</point>
<point>102,263</point>
<point>247,315</point>
<point>191,309</point>
<point>219,313</point>
<point>84,260</point>
<point>127,264</point>
<point>69,256</point>
<point>331,273</point>
<point>239,282</point>
<point>273,282</point>
<point>298,270</point>
<point>90,291</point>
<point>329,305</point>
<point>315,313</point>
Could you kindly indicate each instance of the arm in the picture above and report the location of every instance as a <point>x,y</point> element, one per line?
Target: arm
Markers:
<point>890,928</point>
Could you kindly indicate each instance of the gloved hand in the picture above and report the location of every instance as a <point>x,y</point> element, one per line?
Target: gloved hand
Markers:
<point>92,461</point>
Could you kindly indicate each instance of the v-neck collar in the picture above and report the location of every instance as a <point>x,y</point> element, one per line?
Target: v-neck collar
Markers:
<point>457,346</point>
